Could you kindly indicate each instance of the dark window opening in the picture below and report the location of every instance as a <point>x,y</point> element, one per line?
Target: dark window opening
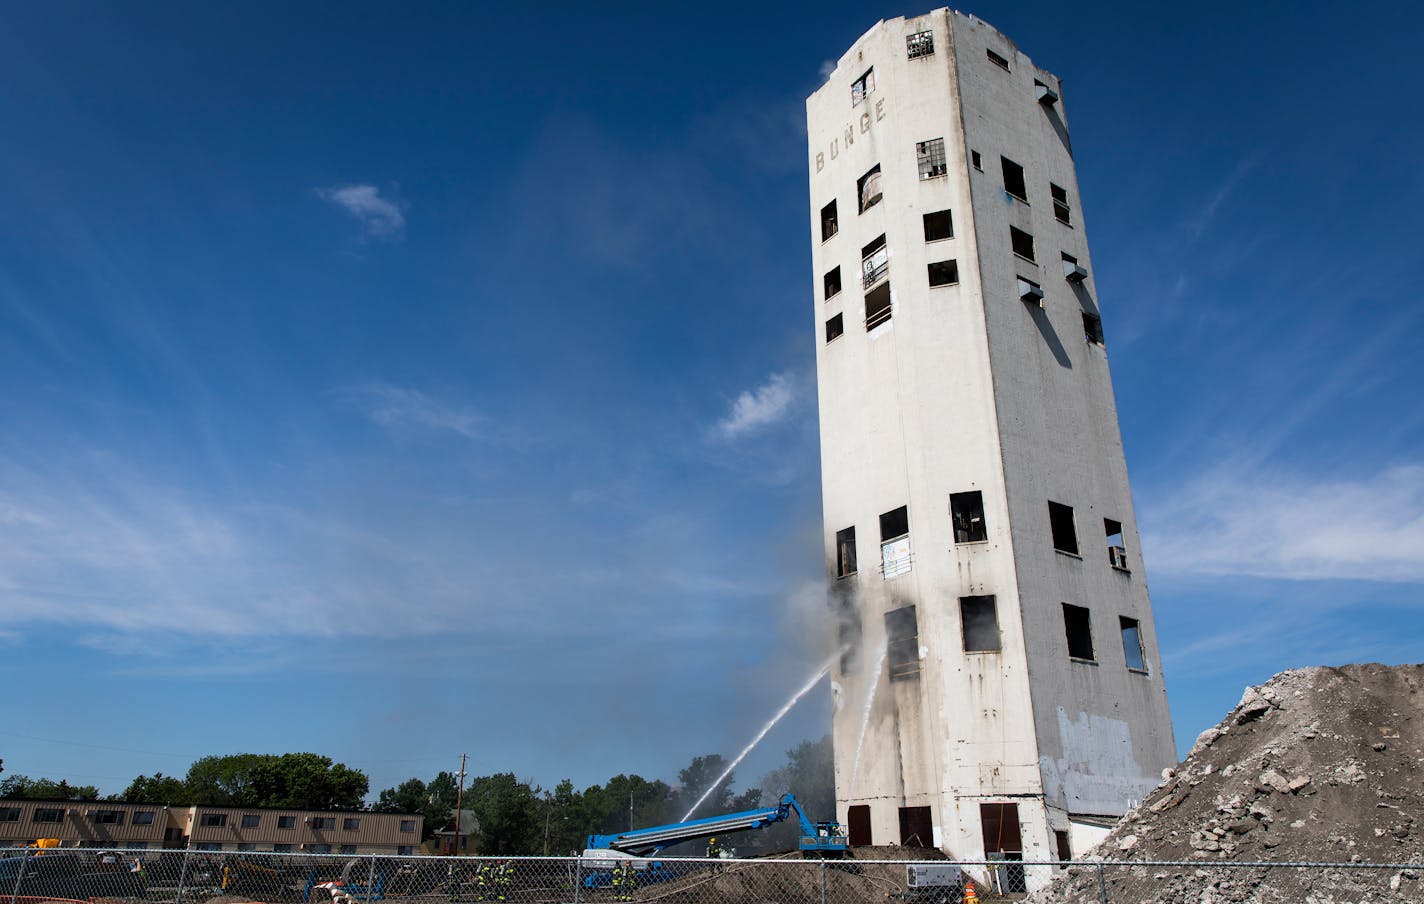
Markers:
<point>874,262</point>
<point>997,60</point>
<point>835,327</point>
<point>845,552</point>
<point>829,224</point>
<point>895,524</point>
<point>930,155</point>
<point>348,849</point>
<point>976,160</point>
<point>867,188</point>
<point>1132,643</point>
<point>1093,328</point>
<point>862,87</point>
<point>214,819</point>
<point>902,643</point>
<point>939,225</point>
<point>916,827</point>
<point>48,814</point>
<point>831,284</point>
<point>944,273</point>
<point>109,817</point>
<point>286,822</point>
<point>858,825</point>
<point>1014,182</point>
<point>1079,630</point>
<point>1003,840</point>
<point>9,814</point>
<point>351,824</point>
<point>1060,840</point>
<point>407,825</point>
<point>1061,211</point>
<point>323,822</point>
<point>966,510</point>
<point>1065,533</point>
<point>1117,549</point>
<point>142,818</point>
<point>251,820</point>
<point>919,44</point>
<point>1022,243</point>
<point>877,306</point>
<point>979,620</point>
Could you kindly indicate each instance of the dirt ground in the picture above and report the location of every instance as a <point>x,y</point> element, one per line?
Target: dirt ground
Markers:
<point>1318,764</point>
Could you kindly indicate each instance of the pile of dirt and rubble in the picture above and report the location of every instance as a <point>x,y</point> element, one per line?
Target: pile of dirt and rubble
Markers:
<point>1317,764</point>
<point>861,876</point>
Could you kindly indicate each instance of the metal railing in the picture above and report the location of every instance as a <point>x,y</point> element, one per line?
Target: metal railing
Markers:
<point>191,877</point>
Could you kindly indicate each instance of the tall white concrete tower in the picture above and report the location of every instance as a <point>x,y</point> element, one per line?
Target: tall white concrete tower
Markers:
<point>1002,693</point>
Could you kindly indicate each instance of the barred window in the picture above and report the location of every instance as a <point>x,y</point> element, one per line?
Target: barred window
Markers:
<point>920,44</point>
<point>931,155</point>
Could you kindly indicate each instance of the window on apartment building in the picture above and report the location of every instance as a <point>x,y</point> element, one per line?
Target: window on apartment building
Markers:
<point>141,818</point>
<point>282,848</point>
<point>1014,182</point>
<point>246,846</point>
<point>902,643</point>
<point>979,620</point>
<point>1061,211</point>
<point>976,161</point>
<point>251,820</point>
<point>1079,630</point>
<point>1022,243</point>
<point>348,849</point>
<point>404,850</point>
<point>213,819</point>
<point>944,273</point>
<point>48,814</point>
<point>109,817</point>
<point>919,44</point>
<point>830,225</point>
<point>874,261</point>
<point>407,825</point>
<point>939,225</point>
<point>1065,533</point>
<point>895,556</point>
<point>997,60</point>
<point>862,87</point>
<point>286,822</point>
<point>1093,328</point>
<point>877,306</point>
<point>835,327</point>
<point>1117,549</point>
<point>930,155</point>
<point>9,814</point>
<point>323,822</point>
<point>845,552</point>
<point>351,824</point>
<point>966,512</point>
<point>317,848</point>
<point>867,188</point>
<point>1132,643</point>
<point>136,845</point>
<point>831,284</point>
<point>209,845</point>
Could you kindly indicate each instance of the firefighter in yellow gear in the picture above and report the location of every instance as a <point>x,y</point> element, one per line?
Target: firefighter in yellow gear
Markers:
<point>623,881</point>
<point>484,882</point>
<point>714,852</point>
<point>503,880</point>
<point>971,894</point>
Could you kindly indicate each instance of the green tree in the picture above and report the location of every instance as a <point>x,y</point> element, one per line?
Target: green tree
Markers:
<point>509,813</point>
<point>564,826</point>
<point>606,807</point>
<point>306,781</point>
<point>415,796</point>
<point>809,773</point>
<point>24,787</point>
<point>222,780</point>
<point>694,781</point>
<point>159,789</point>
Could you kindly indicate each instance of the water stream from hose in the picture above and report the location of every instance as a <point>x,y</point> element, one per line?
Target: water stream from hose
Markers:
<point>865,722</point>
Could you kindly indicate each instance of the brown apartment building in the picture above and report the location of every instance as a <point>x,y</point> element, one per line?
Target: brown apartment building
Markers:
<point>116,824</point>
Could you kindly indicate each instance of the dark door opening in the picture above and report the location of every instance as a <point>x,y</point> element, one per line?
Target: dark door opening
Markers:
<point>916,829</point>
<point>858,825</point>
<point>1003,841</point>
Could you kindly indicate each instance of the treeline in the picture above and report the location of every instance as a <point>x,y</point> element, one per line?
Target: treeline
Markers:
<point>510,816</point>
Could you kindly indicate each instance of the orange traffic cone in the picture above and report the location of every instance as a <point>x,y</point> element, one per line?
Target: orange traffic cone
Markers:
<point>971,896</point>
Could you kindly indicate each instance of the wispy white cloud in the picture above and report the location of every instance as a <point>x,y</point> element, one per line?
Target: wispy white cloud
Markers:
<point>1261,522</point>
<point>757,408</point>
<point>380,217</point>
<point>397,409</point>
<point>1197,224</point>
<point>826,68</point>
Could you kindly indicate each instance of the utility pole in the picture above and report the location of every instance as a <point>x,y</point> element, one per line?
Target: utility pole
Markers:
<point>459,804</point>
<point>630,811</point>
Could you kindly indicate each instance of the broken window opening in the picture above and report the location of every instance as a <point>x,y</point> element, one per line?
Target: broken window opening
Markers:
<point>831,284</point>
<point>939,225</point>
<point>1014,182</point>
<point>1022,243</point>
<point>877,306</point>
<point>845,552</point>
<point>862,87</point>
<point>867,188</point>
<point>902,643</point>
<point>1065,533</point>
<point>979,620</point>
<point>976,160</point>
<point>966,511</point>
<point>1132,644</point>
<point>930,155</point>
<point>829,224</point>
<point>1117,549</point>
<point>1078,627</point>
<point>1093,328</point>
<point>1061,211</point>
<point>916,827</point>
<point>895,558</point>
<point>874,262</point>
<point>944,273</point>
<point>919,44</point>
<point>997,60</point>
<point>835,327</point>
<point>894,524</point>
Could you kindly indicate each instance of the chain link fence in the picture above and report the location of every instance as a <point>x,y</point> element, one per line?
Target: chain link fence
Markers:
<point>203,877</point>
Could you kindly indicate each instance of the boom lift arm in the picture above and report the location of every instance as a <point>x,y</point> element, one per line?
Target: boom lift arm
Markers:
<point>821,837</point>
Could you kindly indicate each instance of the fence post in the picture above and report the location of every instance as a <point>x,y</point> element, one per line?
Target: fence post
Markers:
<point>20,876</point>
<point>1102,884</point>
<point>578,878</point>
<point>182,877</point>
<point>371,882</point>
<point>823,880</point>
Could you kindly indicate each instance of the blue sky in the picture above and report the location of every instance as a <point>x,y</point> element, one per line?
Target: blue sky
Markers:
<point>394,382</point>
